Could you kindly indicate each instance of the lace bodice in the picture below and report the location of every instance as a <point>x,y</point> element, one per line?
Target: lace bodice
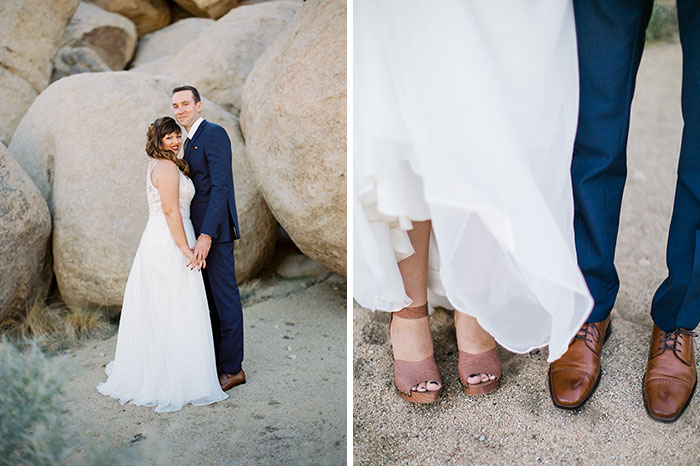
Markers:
<point>154,204</point>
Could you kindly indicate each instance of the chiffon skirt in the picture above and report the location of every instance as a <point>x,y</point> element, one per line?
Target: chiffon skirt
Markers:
<point>465,113</point>
<point>165,352</point>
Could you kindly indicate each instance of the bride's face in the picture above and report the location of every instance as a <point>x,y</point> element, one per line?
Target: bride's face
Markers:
<point>171,141</point>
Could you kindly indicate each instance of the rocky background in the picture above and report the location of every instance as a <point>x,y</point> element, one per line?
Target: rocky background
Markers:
<point>81,80</point>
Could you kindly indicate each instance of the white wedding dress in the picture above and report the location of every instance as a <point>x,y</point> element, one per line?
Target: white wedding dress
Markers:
<point>165,352</point>
<point>465,113</point>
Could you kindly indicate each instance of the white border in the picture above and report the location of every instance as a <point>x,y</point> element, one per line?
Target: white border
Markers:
<point>349,143</point>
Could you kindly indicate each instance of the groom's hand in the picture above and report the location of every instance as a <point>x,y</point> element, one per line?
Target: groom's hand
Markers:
<point>193,263</point>
<point>201,247</point>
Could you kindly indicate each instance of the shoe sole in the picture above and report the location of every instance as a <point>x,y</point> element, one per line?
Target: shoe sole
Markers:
<point>225,388</point>
<point>595,386</point>
<point>663,419</point>
<point>421,397</point>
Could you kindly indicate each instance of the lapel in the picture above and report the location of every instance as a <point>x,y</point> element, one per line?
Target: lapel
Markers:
<point>192,142</point>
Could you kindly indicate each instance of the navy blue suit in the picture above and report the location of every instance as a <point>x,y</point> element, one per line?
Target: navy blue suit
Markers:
<point>213,212</point>
<point>610,37</point>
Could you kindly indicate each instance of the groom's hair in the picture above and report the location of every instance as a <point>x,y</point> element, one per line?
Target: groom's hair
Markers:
<point>195,92</point>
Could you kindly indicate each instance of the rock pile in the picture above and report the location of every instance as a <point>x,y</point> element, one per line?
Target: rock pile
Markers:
<point>74,169</point>
<point>161,44</point>
<point>30,31</point>
<point>92,172</point>
<point>95,40</point>
<point>147,15</point>
<point>226,51</point>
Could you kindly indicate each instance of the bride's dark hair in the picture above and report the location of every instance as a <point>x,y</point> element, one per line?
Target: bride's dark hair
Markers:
<point>154,145</point>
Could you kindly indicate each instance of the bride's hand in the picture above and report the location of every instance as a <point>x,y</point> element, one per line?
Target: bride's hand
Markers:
<point>192,261</point>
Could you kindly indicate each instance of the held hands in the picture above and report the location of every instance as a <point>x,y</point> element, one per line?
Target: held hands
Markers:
<point>192,261</point>
<point>201,249</point>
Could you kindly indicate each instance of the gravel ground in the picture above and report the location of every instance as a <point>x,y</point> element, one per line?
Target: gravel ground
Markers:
<point>518,424</point>
<point>292,410</point>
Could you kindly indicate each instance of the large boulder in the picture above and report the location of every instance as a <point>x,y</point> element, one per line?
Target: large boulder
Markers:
<point>25,226</point>
<point>111,35</point>
<point>30,31</point>
<point>74,60</point>
<point>165,42</point>
<point>207,8</point>
<point>294,123</point>
<point>17,95</point>
<point>151,67</point>
<point>218,61</point>
<point>147,15</point>
<point>83,142</point>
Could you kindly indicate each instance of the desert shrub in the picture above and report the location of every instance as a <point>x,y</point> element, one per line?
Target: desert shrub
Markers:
<point>31,408</point>
<point>663,24</point>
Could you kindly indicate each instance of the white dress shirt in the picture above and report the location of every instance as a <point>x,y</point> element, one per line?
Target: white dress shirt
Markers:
<point>193,129</point>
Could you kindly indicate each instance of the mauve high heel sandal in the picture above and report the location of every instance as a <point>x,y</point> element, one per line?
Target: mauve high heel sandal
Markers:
<point>409,373</point>
<point>470,365</point>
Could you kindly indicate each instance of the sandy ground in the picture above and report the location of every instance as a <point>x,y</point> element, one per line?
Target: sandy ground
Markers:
<point>292,410</point>
<point>518,424</point>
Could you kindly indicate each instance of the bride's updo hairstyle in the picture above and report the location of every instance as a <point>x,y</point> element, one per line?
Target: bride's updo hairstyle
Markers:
<point>154,145</point>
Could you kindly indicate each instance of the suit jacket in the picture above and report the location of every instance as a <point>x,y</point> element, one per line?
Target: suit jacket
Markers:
<point>213,208</point>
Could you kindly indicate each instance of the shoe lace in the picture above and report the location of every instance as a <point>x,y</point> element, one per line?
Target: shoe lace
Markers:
<point>588,330</point>
<point>671,340</point>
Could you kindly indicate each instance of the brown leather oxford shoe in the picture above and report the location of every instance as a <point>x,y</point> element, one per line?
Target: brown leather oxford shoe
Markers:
<point>228,381</point>
<point>574,377</point>
<point>670,380</point>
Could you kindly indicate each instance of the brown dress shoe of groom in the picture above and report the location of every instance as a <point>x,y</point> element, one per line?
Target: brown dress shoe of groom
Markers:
<point>574,377</point>
<point>670,379</point>
<point>228,381</point>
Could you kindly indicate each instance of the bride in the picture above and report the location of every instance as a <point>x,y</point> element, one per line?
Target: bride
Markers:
<point>165,352</point>
<point>465,114</point>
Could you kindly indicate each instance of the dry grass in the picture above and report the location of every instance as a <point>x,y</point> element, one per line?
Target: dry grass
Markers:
<point>39,321</point>
<point>56,325</point>
<point>83,323</point>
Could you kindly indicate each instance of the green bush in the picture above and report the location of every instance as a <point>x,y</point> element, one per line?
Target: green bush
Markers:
<point>31,406</point>
<point>663,24</point>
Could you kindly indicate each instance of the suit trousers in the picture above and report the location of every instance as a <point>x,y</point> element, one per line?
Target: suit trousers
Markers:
<point>225,307</point>
<point>610,36</point>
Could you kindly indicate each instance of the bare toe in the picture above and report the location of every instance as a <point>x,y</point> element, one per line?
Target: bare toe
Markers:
<point>474,379</point>
<point>421,387</point>
<point>433,385</point>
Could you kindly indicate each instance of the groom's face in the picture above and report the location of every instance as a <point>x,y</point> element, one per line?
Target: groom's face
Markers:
<point>185,109</point>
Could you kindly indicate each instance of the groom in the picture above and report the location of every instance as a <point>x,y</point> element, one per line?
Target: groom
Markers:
<point>215,221</point>
<point>610,41</point>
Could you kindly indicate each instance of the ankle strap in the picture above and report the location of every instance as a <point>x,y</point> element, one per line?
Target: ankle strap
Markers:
<point>413,312</point>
